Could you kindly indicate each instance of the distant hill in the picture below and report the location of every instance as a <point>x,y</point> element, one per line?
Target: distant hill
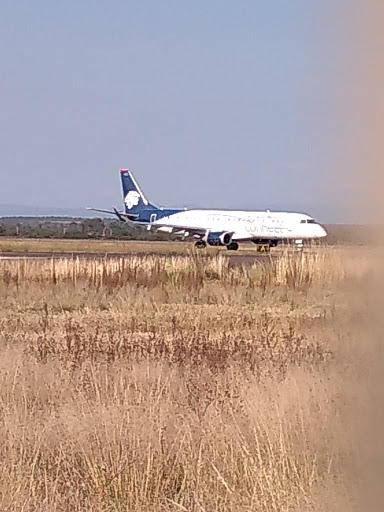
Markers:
<point>16,210</point>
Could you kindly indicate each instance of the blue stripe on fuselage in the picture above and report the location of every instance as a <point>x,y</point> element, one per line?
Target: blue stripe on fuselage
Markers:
<point>146,213</point>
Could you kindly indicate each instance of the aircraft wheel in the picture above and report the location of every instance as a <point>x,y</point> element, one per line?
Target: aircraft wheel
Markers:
<point>233,246</point>
<point>200,244</point>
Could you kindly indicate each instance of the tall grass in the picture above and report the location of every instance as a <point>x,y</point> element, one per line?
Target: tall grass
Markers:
<point>290,269</point>
<point>158,383</point>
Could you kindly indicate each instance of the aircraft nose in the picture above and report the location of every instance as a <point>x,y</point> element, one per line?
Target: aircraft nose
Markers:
<point>321,233</point>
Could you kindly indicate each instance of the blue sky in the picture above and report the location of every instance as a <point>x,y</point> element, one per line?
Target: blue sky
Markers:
<point>210,103</point>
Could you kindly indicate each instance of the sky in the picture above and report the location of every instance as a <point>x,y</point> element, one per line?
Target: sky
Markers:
<point>227,104</point>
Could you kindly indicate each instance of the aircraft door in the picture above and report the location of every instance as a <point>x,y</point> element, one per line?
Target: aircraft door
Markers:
<point>152,218</point>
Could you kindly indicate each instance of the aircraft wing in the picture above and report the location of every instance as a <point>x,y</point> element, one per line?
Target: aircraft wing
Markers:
<point>177,229</point>
<point>242,236</point>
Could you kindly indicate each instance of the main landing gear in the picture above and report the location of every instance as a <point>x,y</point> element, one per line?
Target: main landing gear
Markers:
<point>200,244</point>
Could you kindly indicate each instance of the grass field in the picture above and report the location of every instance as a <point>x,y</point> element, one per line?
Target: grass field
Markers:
<point>180,383</point>
<point>14,245</point>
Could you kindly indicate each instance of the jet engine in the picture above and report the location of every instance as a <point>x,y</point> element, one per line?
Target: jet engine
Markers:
<point>219,238</point>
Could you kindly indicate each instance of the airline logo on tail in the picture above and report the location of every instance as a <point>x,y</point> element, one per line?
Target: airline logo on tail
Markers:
<point>132,199</point>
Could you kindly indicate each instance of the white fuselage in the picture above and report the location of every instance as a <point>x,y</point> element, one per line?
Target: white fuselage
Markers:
<point>247,225</point>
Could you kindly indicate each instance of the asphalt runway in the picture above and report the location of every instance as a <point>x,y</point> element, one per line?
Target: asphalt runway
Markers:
<point>234,259</point>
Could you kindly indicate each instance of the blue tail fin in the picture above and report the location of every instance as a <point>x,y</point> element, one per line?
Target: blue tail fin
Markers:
<point>134,199</point>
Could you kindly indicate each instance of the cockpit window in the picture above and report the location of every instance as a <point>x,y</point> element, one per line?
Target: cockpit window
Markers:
<point>308,221</point>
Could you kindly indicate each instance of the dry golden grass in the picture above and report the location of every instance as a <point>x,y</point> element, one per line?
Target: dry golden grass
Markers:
<point>179,383</point>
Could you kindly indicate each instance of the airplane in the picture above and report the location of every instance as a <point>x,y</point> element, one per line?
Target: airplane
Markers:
<point>225,228</point>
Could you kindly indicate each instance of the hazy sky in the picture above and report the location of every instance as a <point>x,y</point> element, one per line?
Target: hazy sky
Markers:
<point>210,103</point>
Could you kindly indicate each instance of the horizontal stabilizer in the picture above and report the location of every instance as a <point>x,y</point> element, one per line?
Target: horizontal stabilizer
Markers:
<point>120,215</point>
